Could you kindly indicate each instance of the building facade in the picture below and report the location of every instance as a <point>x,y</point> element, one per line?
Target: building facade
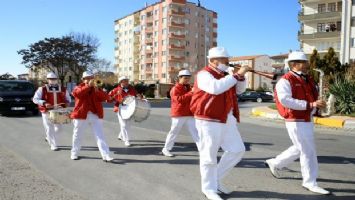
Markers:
<point>154,43</point>
<point>328,23</point>
<point>260,63</point>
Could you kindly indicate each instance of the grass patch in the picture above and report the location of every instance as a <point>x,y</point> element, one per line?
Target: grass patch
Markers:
<point>273,106</point>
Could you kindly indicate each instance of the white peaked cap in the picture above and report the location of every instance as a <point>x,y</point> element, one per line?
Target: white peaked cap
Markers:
<point>51,75</point>
<point>87,74</point>
<point>121,78</point>
<point>184,72</point>
<point>217,52</point>
<point>297,55</point>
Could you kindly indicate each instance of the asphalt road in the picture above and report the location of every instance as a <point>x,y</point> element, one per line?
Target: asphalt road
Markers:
<point>141,172</point>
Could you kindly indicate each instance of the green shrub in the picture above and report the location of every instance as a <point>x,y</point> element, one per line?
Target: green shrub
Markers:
<point>344,92</point>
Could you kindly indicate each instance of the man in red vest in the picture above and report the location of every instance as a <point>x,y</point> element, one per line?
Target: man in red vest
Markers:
<point>181,114</point>
<point>296,100</point>
<point>118,94</point>
<point>50,96</point>
<point>215,108</point>
<point>87,111</point>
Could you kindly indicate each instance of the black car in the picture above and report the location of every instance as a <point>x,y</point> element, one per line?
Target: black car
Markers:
<point>16,97</point>
<point>255,96</point>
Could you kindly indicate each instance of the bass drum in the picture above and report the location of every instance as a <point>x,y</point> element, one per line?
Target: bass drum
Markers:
<point>135,109</point>
<point>60,116</point>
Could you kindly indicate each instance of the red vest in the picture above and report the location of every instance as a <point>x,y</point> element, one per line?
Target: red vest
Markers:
<point>301,90</point>
<point>86,99</point>
<point>180,100</point>
<point>211,107</point>
<point>48,96</point>
<point>122,94</point>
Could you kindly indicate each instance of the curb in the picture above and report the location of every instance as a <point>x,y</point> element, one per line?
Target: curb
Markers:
<point>328,122</point>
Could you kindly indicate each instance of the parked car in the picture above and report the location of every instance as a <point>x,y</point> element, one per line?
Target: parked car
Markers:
<point>255,96</point>
<point>16,97</point>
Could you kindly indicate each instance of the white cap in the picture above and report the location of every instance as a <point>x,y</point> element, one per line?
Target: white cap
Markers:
<point>217,52</point>
<point>297,55</point>
<point>184,72</point>
<point>87,74</point>
<point>52,75</point>
<point>121,78</point>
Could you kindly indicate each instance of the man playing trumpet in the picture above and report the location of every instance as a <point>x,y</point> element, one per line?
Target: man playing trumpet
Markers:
<point>296,100</point>
<point>88,110</point>
<point>215,108</point>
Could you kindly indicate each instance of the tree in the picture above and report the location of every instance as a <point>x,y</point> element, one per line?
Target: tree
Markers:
<point>7,76</point>
<point>89,44</point>
<point>57,54</point>
<point>314,62</point>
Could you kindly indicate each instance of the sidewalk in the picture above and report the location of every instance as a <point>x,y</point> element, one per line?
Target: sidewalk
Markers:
<point>332,121</point>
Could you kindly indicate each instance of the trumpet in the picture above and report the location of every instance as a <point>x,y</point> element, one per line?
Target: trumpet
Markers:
<point>271,76</point>
<point>98,83</point>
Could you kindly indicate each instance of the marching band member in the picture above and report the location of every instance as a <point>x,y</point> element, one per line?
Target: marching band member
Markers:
<point>88,110</point>
<point>296,100</point>
<point>123,90</point>
<point>47,97</point>
<point>215,108</point>
<point>181,95</point>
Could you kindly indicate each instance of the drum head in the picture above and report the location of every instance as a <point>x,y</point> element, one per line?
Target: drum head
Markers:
<point>128,107</point>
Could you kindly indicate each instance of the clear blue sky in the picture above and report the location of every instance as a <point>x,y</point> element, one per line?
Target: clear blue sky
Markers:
<point>245,27</point>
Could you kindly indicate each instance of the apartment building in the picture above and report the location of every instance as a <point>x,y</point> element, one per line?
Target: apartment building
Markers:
<point>154,43</point>
<point>328,23</point>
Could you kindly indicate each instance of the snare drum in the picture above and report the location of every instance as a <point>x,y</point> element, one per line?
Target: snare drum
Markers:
<point>136,109</point>
<point>59,116</point>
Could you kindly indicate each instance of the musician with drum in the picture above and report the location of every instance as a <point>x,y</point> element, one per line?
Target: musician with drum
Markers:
<point>215,108</point>
<point>118,94</point>
<point>181,114</point>
<point>88,110</point>
<point>48,97</point>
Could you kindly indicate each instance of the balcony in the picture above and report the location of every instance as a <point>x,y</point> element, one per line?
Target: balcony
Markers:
<point>148,51</point>
<point>148,70</point>
<point>178,36</point>
<point>173,46</point>
<point>177,24</point>
<point>148,40</point>
<point>319,35</point>
<point>319,16</point>
<point>149,60</point>
<point>176,58</point>
<point>177,13</point>
<point>149,29</point>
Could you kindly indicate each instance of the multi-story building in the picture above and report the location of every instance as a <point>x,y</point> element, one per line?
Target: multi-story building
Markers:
<point>260,63</point>
<point>278,63</point>
<point>328,23</point>
<point>154,43</point>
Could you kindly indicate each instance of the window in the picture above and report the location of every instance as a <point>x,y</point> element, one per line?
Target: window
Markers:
<point>155,44</point>
<point>163,75</point>
<point>142,17</point>
<point>339,25</point>
<point>163,42</point>
<point>331,7</point>
<point>187,21</point>
<point>164,31</point>
<point>340,6</point>
<point>164,21</point>
<point>156,12</point>
<point>164,64</point>
<point>321,8</point>
<point>321,27</point>
<point>164,9</point>
<point>163,53</point>
<point>156,22</point>
<point>186,10</point>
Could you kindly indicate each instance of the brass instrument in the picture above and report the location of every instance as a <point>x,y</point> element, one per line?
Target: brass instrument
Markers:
<point>98,83</point>
<point>271,76</point>
<point>330,108</point>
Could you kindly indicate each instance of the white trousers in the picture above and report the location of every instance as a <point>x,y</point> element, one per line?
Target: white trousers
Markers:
<point>96,123</point>
<point>125,127</point>
<point>176,124</point>
<point>51,130</point>
<point>212,136</point>
<point>302,137</point>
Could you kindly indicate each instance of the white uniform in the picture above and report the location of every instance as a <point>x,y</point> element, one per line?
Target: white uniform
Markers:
<point>125,125</point>
<point>214,135</point>
<point>176,124</point>
<point>51,129</point>
<point>301,135</point>
<point>97,125</point>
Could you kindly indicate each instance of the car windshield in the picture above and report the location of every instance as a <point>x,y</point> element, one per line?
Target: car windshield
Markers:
<point>9,86</point>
